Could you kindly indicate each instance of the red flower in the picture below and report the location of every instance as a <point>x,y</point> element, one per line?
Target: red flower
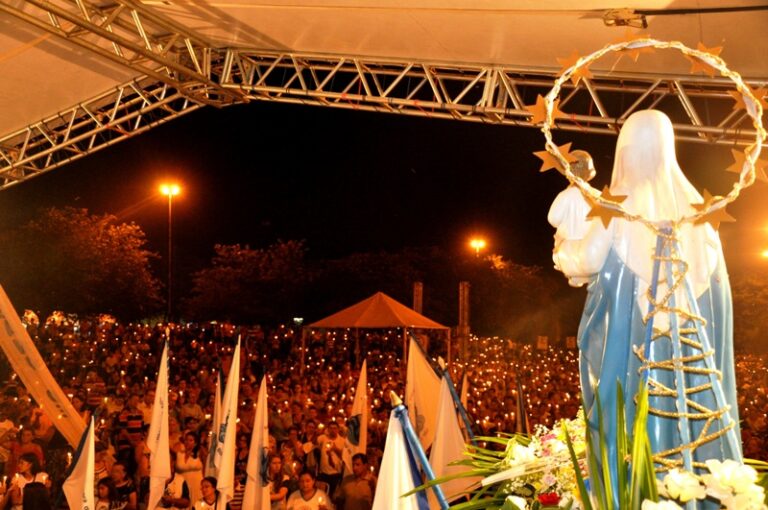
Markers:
<point>549,498</point>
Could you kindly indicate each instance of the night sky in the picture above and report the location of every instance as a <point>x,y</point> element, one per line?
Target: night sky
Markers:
<point>349,181</point>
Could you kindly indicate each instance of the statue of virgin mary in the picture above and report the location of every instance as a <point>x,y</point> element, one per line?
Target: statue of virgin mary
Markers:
<point>617,263</point>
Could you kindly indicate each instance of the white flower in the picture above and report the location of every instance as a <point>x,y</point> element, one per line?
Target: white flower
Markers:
<point>751,499</point>
<point>728,475</point>
<point>518,502</point>
<point>523,454</point>
<point>683,486</point>
<point>661,505</point>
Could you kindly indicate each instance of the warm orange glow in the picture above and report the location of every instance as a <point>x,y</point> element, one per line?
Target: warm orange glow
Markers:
<point>170,189</point>
<point>477,244</point>
<point>764,254</point>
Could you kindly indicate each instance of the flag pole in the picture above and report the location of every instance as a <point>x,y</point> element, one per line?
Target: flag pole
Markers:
<point>401,412</point>
<point>457,401</point>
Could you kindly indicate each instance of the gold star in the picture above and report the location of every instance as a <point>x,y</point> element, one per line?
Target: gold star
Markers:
<point>716,217</point>
<point>633,53</point>
<point>707,197</point>
<point>761,95</point>
<point>698,65</point>
<point>539,110</point>
<point>549,161</point>
<point>578,74</point>
<point>606,214</point>
<point>606,195</point>
<point>739,159</point>
<point>736,95</point>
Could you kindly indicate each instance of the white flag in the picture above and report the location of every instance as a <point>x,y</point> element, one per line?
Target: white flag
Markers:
<point>357,426</point>
<point>225,446</point>
<point>211,468</point>
<point>78,487</point>
<point>448,447</point>
<point>395,474</point>
<point>157,437</point>
<point>33,372</point>
<point>421,387</point>
<point>256,494</point>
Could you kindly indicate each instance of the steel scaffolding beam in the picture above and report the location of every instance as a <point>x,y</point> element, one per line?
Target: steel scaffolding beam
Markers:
<point>71,134</point>
<point>133,35</point>
<point>701,108</point>
<point>180,71</point>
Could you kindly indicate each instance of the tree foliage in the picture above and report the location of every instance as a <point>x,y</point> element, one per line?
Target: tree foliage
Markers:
<point>69,259</point>
<point>249,285</point>
<point>276,283</point>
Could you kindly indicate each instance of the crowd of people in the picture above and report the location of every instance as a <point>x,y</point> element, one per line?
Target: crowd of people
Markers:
<point>108,370</point>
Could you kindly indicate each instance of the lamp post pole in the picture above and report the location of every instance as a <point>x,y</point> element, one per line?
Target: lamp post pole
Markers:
<point>170,190</point>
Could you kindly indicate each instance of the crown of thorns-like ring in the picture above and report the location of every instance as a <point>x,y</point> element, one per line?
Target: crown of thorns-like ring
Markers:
<point>703,60</point>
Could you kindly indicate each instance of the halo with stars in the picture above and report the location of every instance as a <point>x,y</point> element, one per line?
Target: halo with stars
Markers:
<point>703,59</point>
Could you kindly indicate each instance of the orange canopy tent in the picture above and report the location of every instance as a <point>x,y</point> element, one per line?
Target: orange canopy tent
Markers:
<point>377,312</point>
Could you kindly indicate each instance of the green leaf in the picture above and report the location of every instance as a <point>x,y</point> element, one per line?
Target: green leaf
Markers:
<point>622,447</point>
<point>577,469</point>
<point>607,479</point>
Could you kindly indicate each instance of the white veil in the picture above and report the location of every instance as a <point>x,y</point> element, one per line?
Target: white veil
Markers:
<point>645,169</point>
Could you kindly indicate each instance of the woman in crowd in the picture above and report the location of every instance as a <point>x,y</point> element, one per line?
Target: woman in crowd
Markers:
<point>21,446</point>
<point>210,496</point>
<point>29,472</point>
<point>189,464</point>
<point>106,495</point>
<point>308,497</point>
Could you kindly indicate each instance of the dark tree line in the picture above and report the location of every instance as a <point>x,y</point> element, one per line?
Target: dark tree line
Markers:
<point>68,259</point>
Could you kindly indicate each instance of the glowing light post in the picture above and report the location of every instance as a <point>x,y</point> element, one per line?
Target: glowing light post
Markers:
<point>477,244</point>
<point>170,190</point>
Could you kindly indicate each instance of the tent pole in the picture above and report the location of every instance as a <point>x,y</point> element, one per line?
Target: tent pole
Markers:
<point>405,347</point>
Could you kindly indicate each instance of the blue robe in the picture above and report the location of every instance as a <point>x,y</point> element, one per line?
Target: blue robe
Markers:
<point>612,327</point>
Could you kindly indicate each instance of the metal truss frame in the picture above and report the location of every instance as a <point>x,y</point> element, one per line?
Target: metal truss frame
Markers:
<point>701,108</point>
<point>71,134</point>
<point>133,35</point>
<point>181,71</point>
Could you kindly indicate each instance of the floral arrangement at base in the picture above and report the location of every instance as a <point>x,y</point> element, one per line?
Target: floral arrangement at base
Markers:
<point>548,471</point>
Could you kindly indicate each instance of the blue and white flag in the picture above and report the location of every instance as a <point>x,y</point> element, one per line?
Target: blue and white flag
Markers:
<point>225,445</point>
<point>211,468</point>
<point>398,473</point>
<point>157,438</point>
<point>78,487</point>
<point>448,447</point>
<point>256,494</point>
<point>357,425</point>
<point>421,387</point>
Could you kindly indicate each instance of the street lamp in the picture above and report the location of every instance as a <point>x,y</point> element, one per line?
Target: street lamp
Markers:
<point>477,244</point>
<point>170,190</point>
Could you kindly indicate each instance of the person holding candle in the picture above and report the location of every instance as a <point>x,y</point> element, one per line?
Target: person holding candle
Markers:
<point>189,463</point>
<point>308,497</point>
<point>28,471</point>
<point>330,446</point>
<point>356,490</point>
<point>20,447</point>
